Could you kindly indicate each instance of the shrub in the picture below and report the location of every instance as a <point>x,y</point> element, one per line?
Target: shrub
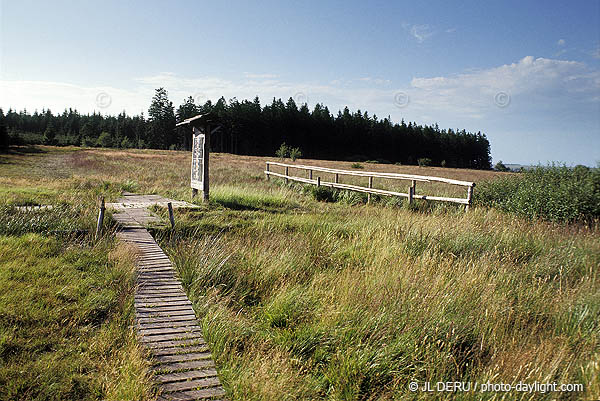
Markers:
<point>295,153</point>
<point>283,151</point>
<point>424,161</point>
<point>501,167</point>
<point>357,165</point>
<point>104,140</point>
<point>126,143</point>
<point>323,194</point>
<point>555,193</point>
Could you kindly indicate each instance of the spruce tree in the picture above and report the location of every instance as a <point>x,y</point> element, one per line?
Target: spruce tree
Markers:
<point>162,121</point>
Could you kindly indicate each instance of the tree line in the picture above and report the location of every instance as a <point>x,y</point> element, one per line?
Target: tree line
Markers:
<point>248,128</point>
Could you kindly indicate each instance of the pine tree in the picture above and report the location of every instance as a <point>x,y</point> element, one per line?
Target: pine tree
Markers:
<point>162,121</point>
<point>50,134</point>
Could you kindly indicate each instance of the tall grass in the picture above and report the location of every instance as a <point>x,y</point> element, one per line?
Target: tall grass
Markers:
<point>304,299</point>
<point>344,302</point>
<point>555,193</point>
<point>65,322</point>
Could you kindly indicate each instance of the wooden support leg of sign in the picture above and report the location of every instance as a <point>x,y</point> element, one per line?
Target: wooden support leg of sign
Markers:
<point>205,189</point>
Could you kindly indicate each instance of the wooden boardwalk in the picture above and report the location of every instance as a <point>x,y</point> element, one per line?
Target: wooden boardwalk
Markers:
<point>166,322</point>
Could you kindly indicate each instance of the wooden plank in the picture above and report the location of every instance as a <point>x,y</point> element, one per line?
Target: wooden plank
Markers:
<point>153,304</point>
<point>154,325</point>
<point>165,308</point>
<point>189,375</point>
<point>148,332</point>
<point>176,343</point>
<point>174,319</point>
<point>188,365</point>
<point>192,395</point>
<point>166,314</point>
<point>183,357</point>
<point>160,298</point>
<point>171,337</point>
<point>191,384</point>
<point>179,350</point>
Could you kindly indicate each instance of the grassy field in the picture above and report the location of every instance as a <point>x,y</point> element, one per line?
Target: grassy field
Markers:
<point>301,299</point>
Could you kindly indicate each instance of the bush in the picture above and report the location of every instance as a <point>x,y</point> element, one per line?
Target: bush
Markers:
<point>323,194</point>
<point>283,151</point>
<point>501,167</point>
<point>555,193</point>
<point>357,165</point>
<point>424,161</point>
<point>104,140</point>
<point>126,143</point>
<point>295,153</point>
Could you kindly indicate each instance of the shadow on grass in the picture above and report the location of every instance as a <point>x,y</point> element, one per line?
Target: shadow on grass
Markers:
<point>19,151</point>
<point>241,204</point>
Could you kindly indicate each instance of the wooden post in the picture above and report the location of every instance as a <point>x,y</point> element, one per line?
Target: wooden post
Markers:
<point>414,186</point>
<point>310,174</point>
<point>337,178</point>
<point>469,197</point>
<point>370,186</point>
<point>206,153</point>
<point>411,194</point>
<point>268,176</point>
<point>286,174</point>
<point>100,219</point>
<point>171,216</point>
<point>318,181</point>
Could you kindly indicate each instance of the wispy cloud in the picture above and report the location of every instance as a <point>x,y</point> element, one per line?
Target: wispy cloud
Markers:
<point>420,32</point>
<point>561,42</point>
<point>376,81</point>
<point>260,76</point>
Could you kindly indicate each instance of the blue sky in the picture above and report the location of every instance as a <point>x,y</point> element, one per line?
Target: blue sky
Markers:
<point>525,73</point>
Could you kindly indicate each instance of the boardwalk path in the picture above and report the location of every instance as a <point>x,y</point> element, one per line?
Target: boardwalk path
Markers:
<point>166,323</point>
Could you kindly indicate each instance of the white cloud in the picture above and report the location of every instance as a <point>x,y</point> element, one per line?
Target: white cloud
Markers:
<point>451,30</point>
<point>546,81</point>
<point>421,32</point>
<point>561,42</point>
<point>595,53</point>
<point>530,83</point>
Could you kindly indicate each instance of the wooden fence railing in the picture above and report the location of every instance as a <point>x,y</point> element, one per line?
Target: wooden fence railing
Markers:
<point>411,194</point>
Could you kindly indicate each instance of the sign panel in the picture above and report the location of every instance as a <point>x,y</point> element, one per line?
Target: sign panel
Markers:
<point>198,160</point>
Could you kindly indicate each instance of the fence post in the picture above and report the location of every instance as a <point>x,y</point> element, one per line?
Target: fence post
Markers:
<point>100,219</point>
<point>414,186</point>
<point>411,194</point>
<point>171,216</point>
<point>310,174</point>
<point>337,178</point>
<point>469,197</point>
<point>318,181</point>
<point>286,174</point>
<point>370,186</point>
<point>268,176</point>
